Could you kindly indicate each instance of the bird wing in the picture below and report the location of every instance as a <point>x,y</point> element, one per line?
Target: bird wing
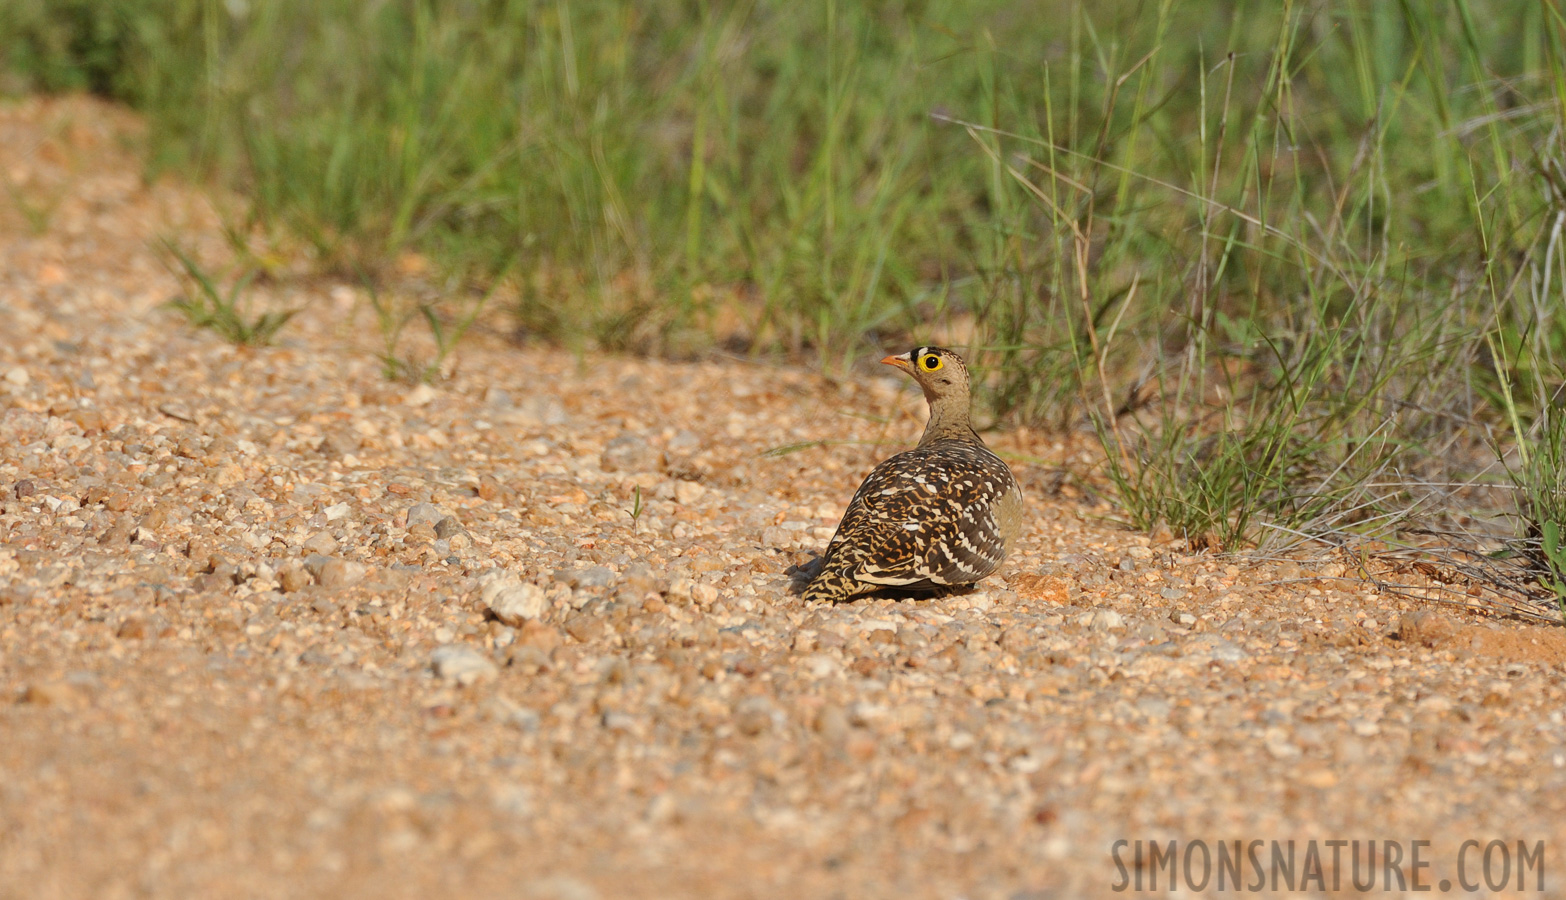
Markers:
<point>924,519</point>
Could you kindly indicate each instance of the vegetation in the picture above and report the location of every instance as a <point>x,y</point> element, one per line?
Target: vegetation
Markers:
<point>1293,261</point>
<point>393,315</point>
<point>205,306</point>
<point>1540,482</point>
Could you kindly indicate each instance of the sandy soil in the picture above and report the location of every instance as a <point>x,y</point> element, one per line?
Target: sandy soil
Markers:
<point>271,625</point>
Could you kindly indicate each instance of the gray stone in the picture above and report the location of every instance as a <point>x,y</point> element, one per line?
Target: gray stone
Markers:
<point>424,513</point>
<point>1224,651</point>
<point>314,657</point>
<point>588,579</point>
<point>630,452</point>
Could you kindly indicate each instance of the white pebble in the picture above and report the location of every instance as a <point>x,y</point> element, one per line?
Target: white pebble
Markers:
<point>516,602</point>
<point>688,492</point>
<point>419,396</point>
<point>462,664</point>
<point>1101,620</point>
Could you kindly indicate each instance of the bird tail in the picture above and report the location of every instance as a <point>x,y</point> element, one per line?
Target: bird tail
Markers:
<point>832,586</point>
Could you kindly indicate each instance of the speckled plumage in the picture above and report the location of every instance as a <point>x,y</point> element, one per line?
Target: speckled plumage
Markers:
<point>940,514</point>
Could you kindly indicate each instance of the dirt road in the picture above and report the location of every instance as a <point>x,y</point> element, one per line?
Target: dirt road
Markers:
<point>249,643</point>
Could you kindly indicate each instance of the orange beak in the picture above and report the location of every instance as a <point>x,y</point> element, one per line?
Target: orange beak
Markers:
<point>900,362</point>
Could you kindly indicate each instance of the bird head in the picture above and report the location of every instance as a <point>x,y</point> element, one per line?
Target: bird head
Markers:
<point>938,371</point>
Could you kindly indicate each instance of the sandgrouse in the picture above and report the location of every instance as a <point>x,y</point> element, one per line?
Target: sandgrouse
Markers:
<point>939,514</point>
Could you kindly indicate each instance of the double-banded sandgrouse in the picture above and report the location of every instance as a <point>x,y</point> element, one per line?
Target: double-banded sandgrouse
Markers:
<point>937,515</point>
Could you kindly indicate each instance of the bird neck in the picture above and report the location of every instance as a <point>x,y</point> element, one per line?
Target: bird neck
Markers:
<point>948,420</point>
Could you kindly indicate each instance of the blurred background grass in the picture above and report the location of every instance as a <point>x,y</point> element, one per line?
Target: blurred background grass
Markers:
<point>1297,263</point>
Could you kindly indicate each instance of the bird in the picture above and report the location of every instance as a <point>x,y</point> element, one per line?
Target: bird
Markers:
<point>939,515</point>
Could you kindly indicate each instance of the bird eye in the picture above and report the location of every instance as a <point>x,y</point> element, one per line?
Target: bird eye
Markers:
<point>932,362</point>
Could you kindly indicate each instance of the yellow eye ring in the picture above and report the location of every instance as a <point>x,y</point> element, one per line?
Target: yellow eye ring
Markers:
<point>930,361</point>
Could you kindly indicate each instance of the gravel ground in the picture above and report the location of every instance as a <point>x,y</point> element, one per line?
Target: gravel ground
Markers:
<point>271,625</point>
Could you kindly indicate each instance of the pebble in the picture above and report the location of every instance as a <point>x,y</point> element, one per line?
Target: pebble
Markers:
<point>321,543</point>
<point>620,722</point>
<point>781,538</point>
<point>560,887</point>
<point>462,664</point>
<point>753,716</point>
<point>1102,620</point>
<point>512,799</point>
<point>630,452</point>
<point>585,628</point>
<point>688,492</point>
<point>424,514</point>
<point>421,395</point>
<point>294,578</point>
<point>831,722</point>
<point>540,411</point>
<point>516,603</point>
<point>20,427</point>
<point>52,693</point>
<point>340,573</point>
<point>132,628</point>
<point>1426,627</point>
<point>1227,652</point>
<point>538,635</point>
<point>315,657</point>
<point>585,579</point>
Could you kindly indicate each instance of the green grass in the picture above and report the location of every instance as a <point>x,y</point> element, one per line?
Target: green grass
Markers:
<point>204,305</point>
<point>1538,476</point>
<point>1291,261</point>
<point>394,313</point>
<point>1288,280</point>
